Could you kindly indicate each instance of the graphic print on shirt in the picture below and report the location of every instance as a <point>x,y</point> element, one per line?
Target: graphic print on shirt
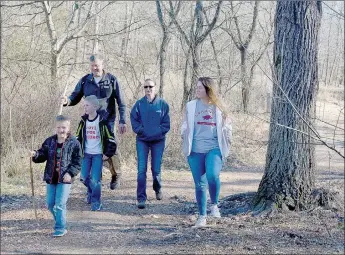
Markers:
<point>205,117</point>
<point>58,157</point>
<point>93,137</point>
<point>91,133</point>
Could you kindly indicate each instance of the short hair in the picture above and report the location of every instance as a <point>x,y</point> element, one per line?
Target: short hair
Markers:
<point>149,79</point>
<point>95,57</point>
<point>62,118</point>
<point>92,99</point>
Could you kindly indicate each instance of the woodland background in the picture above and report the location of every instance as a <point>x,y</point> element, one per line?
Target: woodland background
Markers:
<point>45,45</point>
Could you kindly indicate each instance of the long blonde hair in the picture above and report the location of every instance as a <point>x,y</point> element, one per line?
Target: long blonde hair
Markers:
<point>211,92</point>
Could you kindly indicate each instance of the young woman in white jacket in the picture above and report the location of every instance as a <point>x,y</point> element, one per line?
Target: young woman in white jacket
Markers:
<point>206,133</point>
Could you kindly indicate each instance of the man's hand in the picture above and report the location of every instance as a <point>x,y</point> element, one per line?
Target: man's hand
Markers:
<point>123,128</point>
<point>105,157</point>
<point>65,100</point>
<point>31,153</point>
<point>67,177</point>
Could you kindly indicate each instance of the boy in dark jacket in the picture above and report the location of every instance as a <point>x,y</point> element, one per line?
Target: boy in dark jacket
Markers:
<point>63,155</point>
<point>150,121</point>
<point>98,144</point>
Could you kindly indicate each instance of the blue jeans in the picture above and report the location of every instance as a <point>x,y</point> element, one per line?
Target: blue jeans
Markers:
<point>57,196</point>
<point>206,168</point>
<point>157,149</point>
<point>91,175</point>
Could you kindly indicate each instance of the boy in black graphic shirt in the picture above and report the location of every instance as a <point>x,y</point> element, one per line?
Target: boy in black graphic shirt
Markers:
<point>63,155</point>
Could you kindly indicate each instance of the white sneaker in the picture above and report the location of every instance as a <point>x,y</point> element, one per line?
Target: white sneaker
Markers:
<point>201,222</point>
<point>215,211</point>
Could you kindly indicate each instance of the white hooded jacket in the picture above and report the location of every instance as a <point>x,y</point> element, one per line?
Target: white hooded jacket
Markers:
<point>224,131</point>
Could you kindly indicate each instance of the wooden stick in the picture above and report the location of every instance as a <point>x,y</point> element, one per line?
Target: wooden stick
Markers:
<point>65,89</point>
<point>32,181</point>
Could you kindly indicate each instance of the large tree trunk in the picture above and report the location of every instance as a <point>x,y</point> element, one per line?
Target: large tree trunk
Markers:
<point>289,173</point>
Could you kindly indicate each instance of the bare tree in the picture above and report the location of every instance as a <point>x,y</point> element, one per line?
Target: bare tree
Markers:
<point>166,26</point>
<point>57,43</point>
<point>96,39</point>
<point>196,36</point>
<point>242,43</point>
<point>290,164</point>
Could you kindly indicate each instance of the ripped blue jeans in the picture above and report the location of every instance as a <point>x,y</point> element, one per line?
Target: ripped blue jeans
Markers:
<point>91,175</point>
<point>57,196</point>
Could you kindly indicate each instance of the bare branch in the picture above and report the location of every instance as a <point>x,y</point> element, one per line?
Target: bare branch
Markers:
<point>252,29</point>
<point>211,26</point>
<point>18,5</point>
<point>173,17</point>
<point>341,15</point>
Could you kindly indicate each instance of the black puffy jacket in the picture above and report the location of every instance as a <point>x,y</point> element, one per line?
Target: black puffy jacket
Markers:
<point>70,161</point>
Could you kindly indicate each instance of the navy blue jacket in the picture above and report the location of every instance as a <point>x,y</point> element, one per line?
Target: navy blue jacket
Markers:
<point>70,161</point>
<point>107,91</point>
<point>150,121</point>
<point>107,137</point>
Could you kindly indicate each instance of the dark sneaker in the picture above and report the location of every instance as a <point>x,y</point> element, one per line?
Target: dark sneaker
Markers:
<point>96,207</point>
<point>159,195</point>
<point>114,183</point>
<point>59,233</point>
<point>141,204</point>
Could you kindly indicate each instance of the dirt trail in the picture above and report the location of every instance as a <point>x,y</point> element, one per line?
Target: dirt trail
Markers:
<point>164,227</point>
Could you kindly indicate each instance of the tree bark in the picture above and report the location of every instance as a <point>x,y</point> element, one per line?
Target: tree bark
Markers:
<point>242,45</point>
<point>289,173</point>
<point>164,44</point>
<point>96,40</point>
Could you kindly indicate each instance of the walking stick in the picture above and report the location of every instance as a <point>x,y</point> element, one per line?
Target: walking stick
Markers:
<point>32,181</point>
<point>65,89</point>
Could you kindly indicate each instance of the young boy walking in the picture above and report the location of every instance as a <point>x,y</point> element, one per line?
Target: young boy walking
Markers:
<point>98,144</point>
<point>62,152</point>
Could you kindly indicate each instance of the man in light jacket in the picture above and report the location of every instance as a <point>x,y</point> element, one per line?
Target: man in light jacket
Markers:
<point>150,121</point>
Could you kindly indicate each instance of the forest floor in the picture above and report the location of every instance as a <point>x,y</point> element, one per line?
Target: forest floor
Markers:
<point>165,226</point>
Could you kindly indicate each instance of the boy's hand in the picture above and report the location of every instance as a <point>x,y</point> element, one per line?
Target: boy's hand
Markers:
<point>31,154</point>
<point>105,157</point>
<point>67,177</point>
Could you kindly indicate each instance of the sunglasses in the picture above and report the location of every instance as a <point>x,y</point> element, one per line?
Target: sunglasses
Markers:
<point>145,87</point>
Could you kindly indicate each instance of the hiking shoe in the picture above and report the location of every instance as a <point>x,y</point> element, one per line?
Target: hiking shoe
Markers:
<point>159,195</point>
<point>114,183</point>
<point>141,204</point>
<point>201,222</point>
<point>96,207</point>
<point>215,211</point>
<point>59,233</point>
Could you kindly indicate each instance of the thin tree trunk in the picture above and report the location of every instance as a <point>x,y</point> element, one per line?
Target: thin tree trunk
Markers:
<point>96,40</point>
<point>244,78</point>
<point>185,84</point>
<point>162,62</point>
<point>195,72</point>
<point>290,165</point>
